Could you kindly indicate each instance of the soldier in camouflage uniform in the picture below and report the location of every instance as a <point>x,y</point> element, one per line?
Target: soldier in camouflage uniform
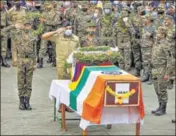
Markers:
<point>91,39</point>
<point>82,20</point>
<point>51,21</point>
<point>107,21</point>
<point>26,52</point>
<point>122,33</point>
<point>161,15</point>
<point>16,15</point>
<point>4,37</point>
<point>161,63</point>
<point>146,44</point>
<point>169,24</point>
<point>135,39</point>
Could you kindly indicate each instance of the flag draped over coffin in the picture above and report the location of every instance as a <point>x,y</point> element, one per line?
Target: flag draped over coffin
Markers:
<point>87,92</point>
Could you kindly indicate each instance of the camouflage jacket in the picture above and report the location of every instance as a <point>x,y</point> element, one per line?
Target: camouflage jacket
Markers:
<point>85,42</point>
<point>161,59</point>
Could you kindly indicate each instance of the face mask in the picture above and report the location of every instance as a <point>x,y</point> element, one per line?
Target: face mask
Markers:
<point>125,19</point>
<point>107,11</point>
<point>155,14</point>
<point>68,32</point>
<point>116,2</point>
<point>95,15</point>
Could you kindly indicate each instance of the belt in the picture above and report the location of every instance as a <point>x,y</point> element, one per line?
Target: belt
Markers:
<point>27,55</point>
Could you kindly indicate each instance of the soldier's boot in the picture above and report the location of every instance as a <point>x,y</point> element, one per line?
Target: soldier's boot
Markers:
<point>4,63</point>
<point>21,105</point>
<point>154,111</point>
<point>170,84</point>
<point>50,58</point>
<point>27,104</point>
<point>54,61</point>
<point>137,72</point>
<point>173,120</point>
<point>162,110</point>
<point>145,77</point>
<point>40,64</point>
<point>150,82</point>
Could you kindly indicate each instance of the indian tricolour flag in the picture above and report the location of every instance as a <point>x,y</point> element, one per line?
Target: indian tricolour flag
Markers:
<point>87,93</point>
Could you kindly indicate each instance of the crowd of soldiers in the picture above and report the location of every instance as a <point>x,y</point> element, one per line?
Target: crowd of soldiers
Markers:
<point>143,33</point>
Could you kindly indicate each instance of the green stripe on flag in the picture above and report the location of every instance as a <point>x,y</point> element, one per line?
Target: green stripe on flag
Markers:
<point>74,94</point>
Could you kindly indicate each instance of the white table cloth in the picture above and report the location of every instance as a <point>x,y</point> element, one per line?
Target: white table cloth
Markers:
<point>120,115</point>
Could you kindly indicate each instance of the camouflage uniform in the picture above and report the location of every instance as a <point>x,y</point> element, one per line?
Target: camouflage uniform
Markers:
<point>135,41</point>
<point>146,44</point>
<point>4,38</point>
<point>15,16</point>
<point>91,39</point>
<point>106,26</point>
<point>161,63</point>
<point>51,23</point>
<point>81,21</point>
<point>122,33</point>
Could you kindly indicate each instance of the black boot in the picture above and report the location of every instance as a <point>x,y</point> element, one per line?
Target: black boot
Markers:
<point>154,111</point>
<point>170,84</point>
<point>162,110</point>
<point>4,63</point>
<point>27,105</point>
<point>173,120</point>
<point>40,64</point>
<point>21,105</point>
<point>150,82</point>
<point>137,72</point>
<point>145,77</point>
<point>54,62</point>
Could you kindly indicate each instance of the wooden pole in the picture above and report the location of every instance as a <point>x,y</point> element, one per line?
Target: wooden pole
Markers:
<point>85,132</point>
<point>138,129</point>
<point>63,117</point>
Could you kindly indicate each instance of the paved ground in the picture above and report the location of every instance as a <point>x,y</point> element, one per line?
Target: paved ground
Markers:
<point>40,119</point>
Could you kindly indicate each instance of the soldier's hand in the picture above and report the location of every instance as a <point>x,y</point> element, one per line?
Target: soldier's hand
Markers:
<point>60,30</point>
<point>18,25</point>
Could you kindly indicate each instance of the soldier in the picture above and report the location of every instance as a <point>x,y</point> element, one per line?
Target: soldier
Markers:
<point>81,20</point>
<point>106,22</point>
<point>66,43</point>
<point>122,33</point>
<point>169,24</point>
<point>146,44</point>
<point>91,39</point>
<point>16,15</point>
<point>135,39</point>
<point>161,15</point>
<point>51,21</point>
<point>161,63</point>
<point>4,37</point>
<point>26,62</point>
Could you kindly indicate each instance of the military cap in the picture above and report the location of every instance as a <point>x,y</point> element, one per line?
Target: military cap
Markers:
<point>91,24</point>
<point>124,13</point>
<point>108,6</point>
<point>161,7</point>
<point>28,21</point>
<point>67,23</point>
<point>136,3</point>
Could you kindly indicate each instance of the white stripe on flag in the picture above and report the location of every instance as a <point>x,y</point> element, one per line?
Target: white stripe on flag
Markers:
<point>86,90</point>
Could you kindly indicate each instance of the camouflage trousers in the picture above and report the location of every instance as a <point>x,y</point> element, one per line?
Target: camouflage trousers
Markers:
<point>136,50</point>
<point>146,59</point>
<point>160,85</point>
<point>44,47</point>
<point>125,51</point>
<point>25,70</point>
<point>3,47</point>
